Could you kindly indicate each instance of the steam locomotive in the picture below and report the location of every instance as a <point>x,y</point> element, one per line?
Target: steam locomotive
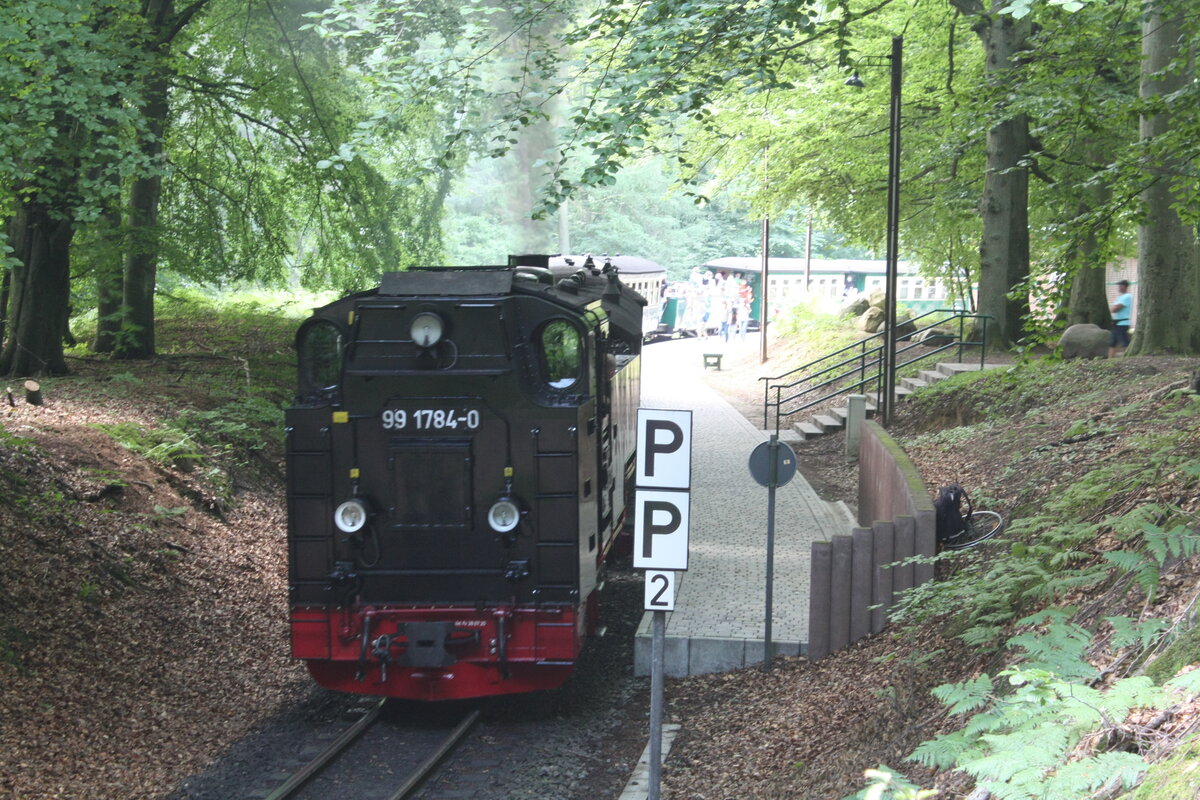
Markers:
<point>459,458</point>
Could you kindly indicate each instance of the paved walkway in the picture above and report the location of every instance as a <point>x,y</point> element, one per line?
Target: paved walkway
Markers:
<point>720,602</point>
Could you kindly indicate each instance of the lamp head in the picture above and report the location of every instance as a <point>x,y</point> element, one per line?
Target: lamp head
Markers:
<point>855,81</point>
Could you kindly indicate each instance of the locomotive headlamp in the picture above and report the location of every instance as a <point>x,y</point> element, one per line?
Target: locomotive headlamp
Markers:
<point>504,515</point>
<point>350,516</point>
<point>427,329</point>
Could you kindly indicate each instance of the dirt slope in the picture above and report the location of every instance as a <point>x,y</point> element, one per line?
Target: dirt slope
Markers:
<point>808,730</point>
<point>142,605</point>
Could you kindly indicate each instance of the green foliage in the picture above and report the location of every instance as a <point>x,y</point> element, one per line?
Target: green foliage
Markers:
<point>1128,632</point>
<point>1180,651</point>
<point>89,592</point>
<point>1021,742</point>
<point>886,784</point>
<point>70,102</point>
<point>811,321</point>
<point>242,425</point>
<point>1060,646</point>
<point>166,446</point>
<point>1172,779</point>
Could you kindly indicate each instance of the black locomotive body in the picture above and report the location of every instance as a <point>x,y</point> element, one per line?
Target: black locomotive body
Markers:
<point>458,462</point>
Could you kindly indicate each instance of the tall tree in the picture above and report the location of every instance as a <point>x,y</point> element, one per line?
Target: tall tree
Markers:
<point>1168,261</point>
<point>1004,247</point>
<point>161,26</point>
<point>58,65</point>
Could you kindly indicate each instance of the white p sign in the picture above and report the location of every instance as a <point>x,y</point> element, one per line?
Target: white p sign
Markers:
<point>660,530</point>
<point>664,476</point>
<point>664,449</point>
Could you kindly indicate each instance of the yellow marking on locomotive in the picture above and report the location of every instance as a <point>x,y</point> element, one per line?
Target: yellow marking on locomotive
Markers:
<point>508,472</point>
<point>350,317</point>
<point>355,473</point>
<point>341,416</point>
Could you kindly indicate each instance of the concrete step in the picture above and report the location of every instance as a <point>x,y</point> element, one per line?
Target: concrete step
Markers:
<point>931,375</point>
<point>913,383</point>
<point>952,368</point>
<point>808,430</point>
<point>828,423</point>
<point>788,435</point>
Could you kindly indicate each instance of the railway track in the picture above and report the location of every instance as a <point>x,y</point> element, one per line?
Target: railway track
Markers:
<point>384,755</point>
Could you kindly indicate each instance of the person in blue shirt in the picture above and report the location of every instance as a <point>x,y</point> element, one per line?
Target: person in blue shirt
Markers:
<point>1121,308</point>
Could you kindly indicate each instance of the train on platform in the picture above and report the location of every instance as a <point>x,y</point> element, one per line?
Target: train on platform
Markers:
<point>459,465</point>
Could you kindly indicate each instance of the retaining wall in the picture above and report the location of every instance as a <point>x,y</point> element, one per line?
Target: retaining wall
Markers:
<point>853,580</point>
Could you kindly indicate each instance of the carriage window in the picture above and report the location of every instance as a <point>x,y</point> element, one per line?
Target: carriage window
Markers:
<point>320,355</point>
<point>561,357</point>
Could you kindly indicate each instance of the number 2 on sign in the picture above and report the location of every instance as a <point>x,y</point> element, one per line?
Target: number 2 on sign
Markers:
<point>660,591</point>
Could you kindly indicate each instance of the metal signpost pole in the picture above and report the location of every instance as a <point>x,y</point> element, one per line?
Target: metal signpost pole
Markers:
<point>773,477</point>
<point>660,542</point>
<point>772,464</point>
<point>657,645</point>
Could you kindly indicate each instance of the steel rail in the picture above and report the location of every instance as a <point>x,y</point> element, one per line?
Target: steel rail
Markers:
<point>298,779</point>
<point>427,767</point>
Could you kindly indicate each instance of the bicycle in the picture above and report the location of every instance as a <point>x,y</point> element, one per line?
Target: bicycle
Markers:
<point>977,526</point>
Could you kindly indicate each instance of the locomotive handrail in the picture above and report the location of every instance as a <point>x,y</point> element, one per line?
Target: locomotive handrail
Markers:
<point>868,361</point>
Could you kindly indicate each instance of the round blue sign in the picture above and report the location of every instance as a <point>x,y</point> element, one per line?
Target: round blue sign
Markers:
<point>784,463</point>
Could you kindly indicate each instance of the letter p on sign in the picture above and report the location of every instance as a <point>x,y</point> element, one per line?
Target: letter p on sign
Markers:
<point>664,476</point>
<point>664,449</point>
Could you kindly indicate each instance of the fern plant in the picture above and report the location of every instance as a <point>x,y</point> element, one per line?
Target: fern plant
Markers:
<point>1039,730</point>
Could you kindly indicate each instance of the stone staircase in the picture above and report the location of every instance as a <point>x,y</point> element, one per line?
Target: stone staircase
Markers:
<point>835,418</point>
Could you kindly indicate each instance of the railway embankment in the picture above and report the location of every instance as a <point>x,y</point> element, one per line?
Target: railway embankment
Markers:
<point>1085,609</point>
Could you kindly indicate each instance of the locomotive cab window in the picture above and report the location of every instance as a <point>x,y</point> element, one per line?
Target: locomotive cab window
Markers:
<point>319,346</point>
<point>562,354</point>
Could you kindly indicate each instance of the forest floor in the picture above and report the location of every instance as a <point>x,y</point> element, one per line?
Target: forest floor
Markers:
<point>144,584</point>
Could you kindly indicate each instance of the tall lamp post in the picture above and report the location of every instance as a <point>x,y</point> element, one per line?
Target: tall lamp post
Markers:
<point>888,361</point>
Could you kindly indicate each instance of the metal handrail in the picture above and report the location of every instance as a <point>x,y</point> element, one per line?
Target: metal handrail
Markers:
<point>867,360</point>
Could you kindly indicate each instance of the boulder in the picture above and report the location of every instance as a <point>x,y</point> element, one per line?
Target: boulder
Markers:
<point>1084,341</point>
<point>905,327</point>
<point>854,306</point>
<point>936,337</point>
<point>871,320</point>
<point>877,298</point>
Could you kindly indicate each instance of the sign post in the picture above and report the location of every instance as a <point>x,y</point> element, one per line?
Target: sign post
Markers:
<point>660,541</point>
<point>772,463</point>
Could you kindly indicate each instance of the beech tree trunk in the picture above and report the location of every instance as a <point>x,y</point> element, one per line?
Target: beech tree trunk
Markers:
<point>1004,206</point>
<point>41,292</point>
<point>5,286</point>
<point>1168,263</point>
<point>108,294</point>
<point>108,275</point>
<point>141,258</point>
<point>1089,301</point>
<point>1004,247</point>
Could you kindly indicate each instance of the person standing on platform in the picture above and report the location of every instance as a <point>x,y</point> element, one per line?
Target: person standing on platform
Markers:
<point>1122,309</point>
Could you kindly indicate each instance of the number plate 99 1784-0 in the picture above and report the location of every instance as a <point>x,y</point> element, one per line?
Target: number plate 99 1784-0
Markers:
<point>430,419</point>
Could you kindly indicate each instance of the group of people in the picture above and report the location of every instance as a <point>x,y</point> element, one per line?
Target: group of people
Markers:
<point>715,304</point>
